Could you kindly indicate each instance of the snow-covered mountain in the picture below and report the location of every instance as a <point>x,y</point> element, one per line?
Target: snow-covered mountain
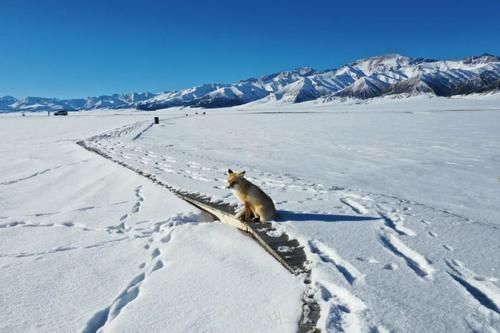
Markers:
<point>391,74</point>
<point>115,101</point>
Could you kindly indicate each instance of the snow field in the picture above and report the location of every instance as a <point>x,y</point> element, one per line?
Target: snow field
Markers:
<point>377,200</point>
<point>87,245</point>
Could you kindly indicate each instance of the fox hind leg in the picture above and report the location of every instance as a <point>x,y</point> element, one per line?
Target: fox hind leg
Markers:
<point>255,217</point>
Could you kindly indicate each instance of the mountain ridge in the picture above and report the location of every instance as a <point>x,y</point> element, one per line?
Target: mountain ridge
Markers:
<point>385,75</point>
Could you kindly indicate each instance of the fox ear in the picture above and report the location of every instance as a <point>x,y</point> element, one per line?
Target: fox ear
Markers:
<point>229,171</point>
<point>242,173</point>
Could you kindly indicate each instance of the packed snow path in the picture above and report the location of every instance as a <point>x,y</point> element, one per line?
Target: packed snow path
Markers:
<point>372,251</point>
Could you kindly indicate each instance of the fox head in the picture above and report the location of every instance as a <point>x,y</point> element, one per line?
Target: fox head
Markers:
<point>234,179</point>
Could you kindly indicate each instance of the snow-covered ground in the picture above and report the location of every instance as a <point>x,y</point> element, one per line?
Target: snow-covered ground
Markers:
<point>394,201</point>
<point>85,243</point>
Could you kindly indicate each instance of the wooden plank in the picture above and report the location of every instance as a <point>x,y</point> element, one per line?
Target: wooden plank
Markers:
<point>294,261</point>
<point>217,213</point>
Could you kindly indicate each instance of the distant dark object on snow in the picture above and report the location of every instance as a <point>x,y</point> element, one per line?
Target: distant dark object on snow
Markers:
<point>61,113</point>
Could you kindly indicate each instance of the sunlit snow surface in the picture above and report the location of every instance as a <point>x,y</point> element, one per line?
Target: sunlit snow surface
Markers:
<point>395,202</point>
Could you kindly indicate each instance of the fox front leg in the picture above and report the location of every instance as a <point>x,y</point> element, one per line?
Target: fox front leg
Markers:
<point>245,213</point>
<point>248,212</point>
<point>239,214</point>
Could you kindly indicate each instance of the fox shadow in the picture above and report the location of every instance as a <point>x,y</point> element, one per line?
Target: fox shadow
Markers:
<point>285,215</point>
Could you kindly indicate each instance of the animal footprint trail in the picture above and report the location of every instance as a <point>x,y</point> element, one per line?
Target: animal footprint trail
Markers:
<point>140,199</point>
<point>123,227</point>
<point>12,224</point>
<point>104,317</point>
<point>67,224</point>
<point>136,208</point>
<point>158,265</point>
<point>369,260</point>
<point>14,181</point>
<point>119,228</point>
<point>85,208</point>
<point>390,266</point>
<point>166,239</point>
<point>151,154</point>
<point>59,249</point>
<point>156,252</point>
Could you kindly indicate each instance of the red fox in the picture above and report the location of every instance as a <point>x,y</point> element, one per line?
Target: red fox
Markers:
<point>255,201</point>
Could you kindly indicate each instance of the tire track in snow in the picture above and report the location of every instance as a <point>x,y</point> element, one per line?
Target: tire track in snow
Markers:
<point>60,249</point>
<point>401,201</point>
<point>38,173</point>
<point>395,221</point>
<point>354,205</point>
<point>344,310</point>
<point>414,260</point>
<point>330,257</point>
<point>43,214</point>
<point>482,289</point>
<point>42,172</point>
<point>67,224</point>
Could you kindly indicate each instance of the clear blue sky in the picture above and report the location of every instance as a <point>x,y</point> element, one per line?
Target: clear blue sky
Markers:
<point>84,48</point>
